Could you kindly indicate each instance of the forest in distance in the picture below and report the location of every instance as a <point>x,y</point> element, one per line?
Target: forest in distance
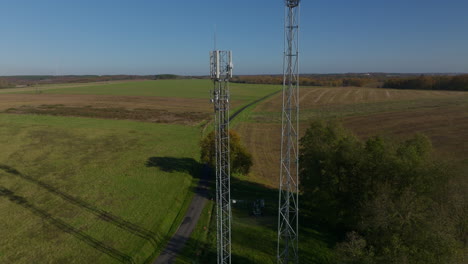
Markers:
<point>395,81</point>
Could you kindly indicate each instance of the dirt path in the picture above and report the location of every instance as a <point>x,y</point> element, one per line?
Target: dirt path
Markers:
<point>178,240</point>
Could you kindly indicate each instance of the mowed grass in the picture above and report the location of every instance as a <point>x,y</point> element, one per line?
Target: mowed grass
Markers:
<point>189,88</point>
<point>77,190</point>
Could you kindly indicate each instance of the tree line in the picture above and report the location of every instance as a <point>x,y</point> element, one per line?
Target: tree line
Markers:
<point>456,83</point>
<point>386,202</point>
<point>5,84</point>
<point>325,80</point>
<point>29,80</point>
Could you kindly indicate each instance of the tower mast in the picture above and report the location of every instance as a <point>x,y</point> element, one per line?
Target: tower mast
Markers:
<point>288,209</point>
<point>221,73</point>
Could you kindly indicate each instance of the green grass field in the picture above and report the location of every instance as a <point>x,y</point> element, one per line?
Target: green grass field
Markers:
<point>191,88</point>
<point>89,190</point>
<point>77,190</point>
<point>85,190</point>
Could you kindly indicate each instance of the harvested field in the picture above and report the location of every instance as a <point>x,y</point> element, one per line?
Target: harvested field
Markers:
<point>442,116</point>
<point>311,97</point>
<point>310,111</point>
<point>447,127</point>
<point>262,141</point>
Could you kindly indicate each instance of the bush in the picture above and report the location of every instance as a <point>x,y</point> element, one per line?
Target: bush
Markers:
<point>241,159</point>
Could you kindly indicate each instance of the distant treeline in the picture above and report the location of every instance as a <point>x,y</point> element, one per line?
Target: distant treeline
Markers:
<point>4,84</point>
<point>314,80</point>
<point>457,83</point>
<point>29,80</point>
<point>13,81</point>
<point>167,77</point>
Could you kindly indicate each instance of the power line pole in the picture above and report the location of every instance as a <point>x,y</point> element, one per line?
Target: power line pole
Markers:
<point>221,73</point>
<point>288,209</point>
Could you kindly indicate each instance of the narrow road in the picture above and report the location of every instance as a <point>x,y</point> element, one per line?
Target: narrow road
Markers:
<point>178,240</point>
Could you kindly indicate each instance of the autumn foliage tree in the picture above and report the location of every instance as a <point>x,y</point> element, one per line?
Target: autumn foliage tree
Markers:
<point>456,83</point>
<point>241,159</point>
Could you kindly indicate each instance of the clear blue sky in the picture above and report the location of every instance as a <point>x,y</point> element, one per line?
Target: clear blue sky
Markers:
<point>175,36</point>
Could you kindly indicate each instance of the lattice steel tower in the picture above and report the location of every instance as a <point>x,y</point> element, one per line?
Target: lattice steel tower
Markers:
<point>221,73</point>
<point>288,210</point>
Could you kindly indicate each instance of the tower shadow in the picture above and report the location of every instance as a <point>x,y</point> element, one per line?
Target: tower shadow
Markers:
<point>101,214</point>
<point>186,165</point>
<point>171,164</point>
<point>23,202</point>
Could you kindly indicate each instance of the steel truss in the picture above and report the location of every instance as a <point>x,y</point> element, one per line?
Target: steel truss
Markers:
<point>288,209</point>
<point>221,72</point>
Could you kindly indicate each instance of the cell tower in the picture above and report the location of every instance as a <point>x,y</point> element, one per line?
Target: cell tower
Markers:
<point>288,209</point>
<point>221,73</point>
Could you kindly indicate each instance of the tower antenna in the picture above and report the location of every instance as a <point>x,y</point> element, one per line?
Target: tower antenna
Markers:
<point>221,73</point>
<point>214,37</point>
<point>288,208</point>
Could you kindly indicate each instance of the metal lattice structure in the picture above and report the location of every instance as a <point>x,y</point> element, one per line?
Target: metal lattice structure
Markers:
<point>221,73</point>
<point>288,210</point>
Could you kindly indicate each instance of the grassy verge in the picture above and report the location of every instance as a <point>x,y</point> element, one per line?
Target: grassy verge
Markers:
<point>199,244</point>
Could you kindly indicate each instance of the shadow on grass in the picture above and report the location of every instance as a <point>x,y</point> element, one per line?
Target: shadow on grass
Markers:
<point>186,165</point>
<point>101,214</point>
<point>207,254</point>
<point>257,234</point>
<point>181,238</point>
<point>112,252</point>
<point>247,192</point>
<point>171,164</point>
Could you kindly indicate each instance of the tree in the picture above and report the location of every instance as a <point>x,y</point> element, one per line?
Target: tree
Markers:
<point>394,201</point>
<point>241,159</point>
